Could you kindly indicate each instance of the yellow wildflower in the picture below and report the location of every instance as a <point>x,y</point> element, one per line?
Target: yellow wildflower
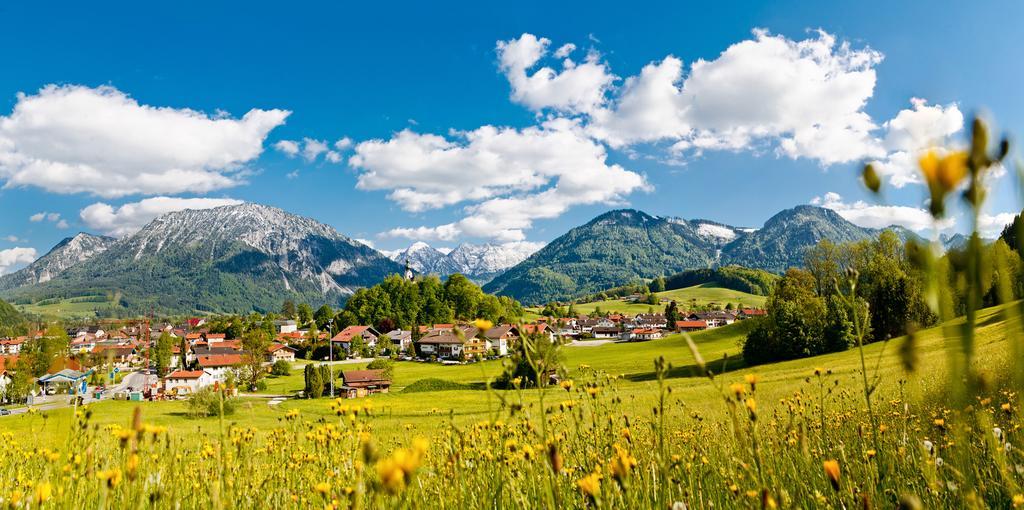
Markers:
<point>832,472</point>
<point>590,485</point>
<point>322,488</point>
<point>43,492</point>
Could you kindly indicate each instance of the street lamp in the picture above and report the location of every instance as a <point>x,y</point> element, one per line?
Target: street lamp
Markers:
<point>330,350</point>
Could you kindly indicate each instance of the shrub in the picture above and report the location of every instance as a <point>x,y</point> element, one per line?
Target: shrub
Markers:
<point>207,402</point>
<point>281,368</point>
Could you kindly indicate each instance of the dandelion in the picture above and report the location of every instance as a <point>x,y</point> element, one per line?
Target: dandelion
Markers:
<point>322,488</point>
<point>943,174</point>
<point>737,389</point>
<point>395,472</point>
<point>593,391</point>
<point>43,492</point>
<point>292,414</point>
<point>939,422</point>
<point>1006,407</point>
<point>566,385</point>
<point>590,485</point>
<point>1018,500</point>
<point>751,380</point>
<point>621,465</point>
<point>832,472</point>
<point>112,477</point>
<point>871,453</point>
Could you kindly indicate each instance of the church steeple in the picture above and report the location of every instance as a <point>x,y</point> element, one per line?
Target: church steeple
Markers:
<point>408,271</point>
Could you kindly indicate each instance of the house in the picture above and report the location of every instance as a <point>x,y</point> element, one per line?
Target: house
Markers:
<point>501,336</point>
<point>218,365</point>
<point>448,342</point>
<point>714,319</point>
<point>401,339</point>
<point>531,329</point>
<point>12,346</point>
<point>688,326</point>
<point>605,332</point>
<point>649,321</point>
<point>642,334</point>
<point>286,326</point>
<point>121,355</point>
<point>6,368</point>
<point>360,383</point>
<point>280,352</point>
<point>345,338</point>
<point>187,382</point>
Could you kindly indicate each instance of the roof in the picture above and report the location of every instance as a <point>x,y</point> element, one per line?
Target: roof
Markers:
<point>498,331</point>
<point>364,376</point>
<point>220,360</point>
<point>7,363</point>
<point>691,324</point>
<point>641,331</point>
<point>185,374</point>
<point>444,338</point>
<point>346,335</point>
<point>66,374</point>
<point>278,347</point>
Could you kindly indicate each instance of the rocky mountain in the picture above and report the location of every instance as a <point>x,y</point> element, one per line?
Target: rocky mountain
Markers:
<point>480,263</point>
<point>619,247</point>
<point>67,253</point>
<point>228,259</point>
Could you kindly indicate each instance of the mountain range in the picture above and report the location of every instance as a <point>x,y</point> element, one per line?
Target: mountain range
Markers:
<point>247,257</point>
<point>622,246</point>
<point>234,258</point>
<point>479,263</point>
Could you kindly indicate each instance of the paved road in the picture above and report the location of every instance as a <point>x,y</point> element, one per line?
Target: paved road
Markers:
<point>132,381</point>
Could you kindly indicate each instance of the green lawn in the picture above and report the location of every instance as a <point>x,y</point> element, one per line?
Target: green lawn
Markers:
<point>397,412</point>
<point>66,308</point>
<point>702,295</point>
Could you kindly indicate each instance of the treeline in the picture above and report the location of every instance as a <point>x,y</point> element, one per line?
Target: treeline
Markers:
<point>812,311</point>
<point>739,278</point>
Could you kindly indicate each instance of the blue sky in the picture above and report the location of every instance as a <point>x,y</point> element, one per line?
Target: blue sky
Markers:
<point>368,73</point>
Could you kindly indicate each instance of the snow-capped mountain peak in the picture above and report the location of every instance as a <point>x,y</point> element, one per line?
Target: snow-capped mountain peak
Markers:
<point>478,262</point>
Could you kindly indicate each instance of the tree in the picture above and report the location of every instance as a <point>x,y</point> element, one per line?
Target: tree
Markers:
<point>281,368</point>
<point>288,310</point>
<point>658,284</point>
<point>463,295</point>
<point>385,365</point>
<point>672,314</point>
<point>314,383</point>
<point>322,315</point>
<point>255,343</point>
<point>162,353</point>
<point>42,353</point>
<point>183,352</point>
<point>305,314</point>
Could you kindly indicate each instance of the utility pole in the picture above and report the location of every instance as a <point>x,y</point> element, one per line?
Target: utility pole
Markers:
<point>330,349</point>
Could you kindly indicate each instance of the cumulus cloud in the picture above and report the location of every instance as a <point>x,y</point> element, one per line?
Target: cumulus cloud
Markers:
<point>12,259</point>
<point>912,132</point>
<point>880,216</point>
<point>289,148</point>
<point>12,239</point>
<point>577,87</point>
<point>71,139</point>
<point>991,225</point>
<point>806,97</point>
<point>129,218</point>
<point>511,177</point>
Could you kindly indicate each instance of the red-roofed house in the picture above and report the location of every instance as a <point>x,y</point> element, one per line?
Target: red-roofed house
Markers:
<point>280,352</point>
<point>187,382</point>
<point>344,338</point>
<point>219,364</point>
<point>641,334</point>
<point>691,326</point>
<point>12,345</point>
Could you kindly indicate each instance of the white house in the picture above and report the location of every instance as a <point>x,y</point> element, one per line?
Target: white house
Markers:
<point>186,382</point>
<point>218,365</point>
<point>280,352</point>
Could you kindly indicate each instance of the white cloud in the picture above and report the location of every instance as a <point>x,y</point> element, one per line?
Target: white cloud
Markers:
<point>51,217</point>
<point>565,50</point>
<point>912,132</point>
<point>343,143</point>
<point>37,217</point>
<point>578,88</point>
<point>130,217</point>
<point>990,226</point>
<point>12,258</point>
<point>289,148</point>
<point>511,177</point>
<point>312,148</point>
<point>13,239</point>
<point>63,224</point>
<point>71,139</point>
<point>807,97</point>
<point>880,216</point>
<point>292,175</point>
<point>367,242</point>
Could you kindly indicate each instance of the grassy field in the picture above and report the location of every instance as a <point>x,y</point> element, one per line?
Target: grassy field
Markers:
<point>807,411</point>
<point>74,308</point>
<point>701,295</point>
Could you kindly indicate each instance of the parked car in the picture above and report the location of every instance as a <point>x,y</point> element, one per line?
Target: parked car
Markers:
<point>5,412</point>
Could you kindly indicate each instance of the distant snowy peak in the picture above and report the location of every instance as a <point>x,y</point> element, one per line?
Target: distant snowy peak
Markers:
<point>717,231</point>
<point>479,262</point>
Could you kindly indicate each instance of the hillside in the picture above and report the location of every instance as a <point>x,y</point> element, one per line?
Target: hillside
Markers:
<point>11,321</point>
<point>612,249</point>
<point>227,259</point>
<point>751,281</point>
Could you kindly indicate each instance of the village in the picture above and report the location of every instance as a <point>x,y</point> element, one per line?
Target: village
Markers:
<point>118,363</point>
